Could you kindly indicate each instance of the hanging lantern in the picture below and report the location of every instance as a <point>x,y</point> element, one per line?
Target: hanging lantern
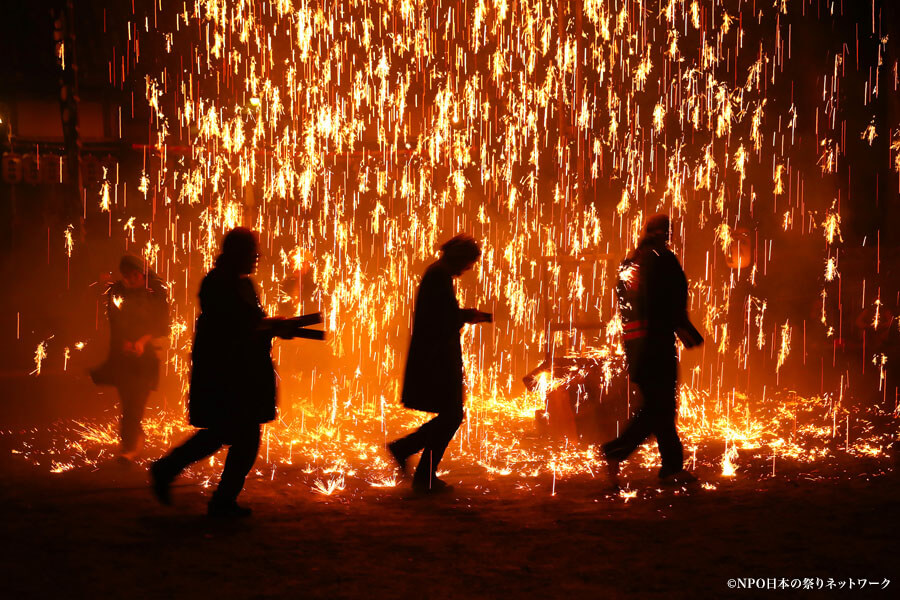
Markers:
<point>11,167</point>
<point>740,252</point>
<point>30,172</point>
<point>49,169</point>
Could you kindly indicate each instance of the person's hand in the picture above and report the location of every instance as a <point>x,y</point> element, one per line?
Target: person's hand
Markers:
<point>128,347</point>
<point>139,346</point>
<point>689,336</point>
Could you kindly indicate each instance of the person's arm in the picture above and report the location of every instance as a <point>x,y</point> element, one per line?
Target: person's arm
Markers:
<point>256,318</point>
<point>158,326</point>
<point>474,316</point>
<point>159,330</point>
<point>139,345</point>
<point>277,327</point>
<point>684,329</point>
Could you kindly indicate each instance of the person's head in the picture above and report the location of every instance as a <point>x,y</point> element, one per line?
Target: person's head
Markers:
<point>656,231</point>
<point>240,251</point>
<point>132,270</point>
<point>460,253</point>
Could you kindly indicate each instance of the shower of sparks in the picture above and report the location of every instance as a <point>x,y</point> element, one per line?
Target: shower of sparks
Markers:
<point>356,135</point>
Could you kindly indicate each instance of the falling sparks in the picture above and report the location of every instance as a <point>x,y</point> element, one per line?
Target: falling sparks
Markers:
<point>40,354</point>
<point>723,234</point>
<point>104,192</point>
<point>144,184</point>
<point>70,243</point>
<point>832,226</point>
<point>355,136</point>
<point>785,349</point>
<point>831,269</point>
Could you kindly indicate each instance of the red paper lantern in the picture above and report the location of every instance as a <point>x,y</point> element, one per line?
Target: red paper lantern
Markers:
<point>740,253</point>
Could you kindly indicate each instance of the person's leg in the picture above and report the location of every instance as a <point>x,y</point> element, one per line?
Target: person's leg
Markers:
<point>634,434</point>
<point>134,401</point>
<point>439,435</point>
<point>405,447</point>
<point>244,441</point>
<point>666,431</point>
<point>129,422</point>
<point>200,445</point>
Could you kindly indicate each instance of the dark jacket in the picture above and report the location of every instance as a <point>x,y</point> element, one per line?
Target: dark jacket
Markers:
<point>662,296</point>
<point>232,376</point>
<point>433,380</point>
<point>133,313</point>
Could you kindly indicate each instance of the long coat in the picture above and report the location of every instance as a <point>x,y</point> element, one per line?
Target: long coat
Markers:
<point>433,381</point>
<point>232,376</point>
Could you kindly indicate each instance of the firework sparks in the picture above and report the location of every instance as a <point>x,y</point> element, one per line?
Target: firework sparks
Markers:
<point>357,135</point>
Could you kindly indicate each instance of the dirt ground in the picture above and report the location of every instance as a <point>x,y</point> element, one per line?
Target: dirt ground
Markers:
<point>99,534</point>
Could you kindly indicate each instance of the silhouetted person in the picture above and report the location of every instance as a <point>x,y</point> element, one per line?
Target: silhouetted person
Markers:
<point>433,381</point>
<point>138,317</point>
<point>232,389</point>
<point>653,303</point>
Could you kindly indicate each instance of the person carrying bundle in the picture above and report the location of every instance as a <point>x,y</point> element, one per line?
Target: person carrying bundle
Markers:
<point>232,388</point>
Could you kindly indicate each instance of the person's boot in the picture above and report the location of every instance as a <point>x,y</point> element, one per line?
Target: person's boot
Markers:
<point>425,481</point>
<point>133,451</point>
<point>681,477</point>
<point>613,467</point>
<point>432,487</point>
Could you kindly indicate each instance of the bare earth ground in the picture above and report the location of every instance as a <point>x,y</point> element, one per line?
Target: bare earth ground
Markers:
<point>99,534</point>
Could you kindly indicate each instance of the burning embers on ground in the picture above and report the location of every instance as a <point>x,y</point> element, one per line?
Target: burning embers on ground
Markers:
<point>338,448</point>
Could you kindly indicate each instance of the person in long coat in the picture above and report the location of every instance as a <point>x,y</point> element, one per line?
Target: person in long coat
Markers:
<point>232,388</point>
<point>659,309</point>
<point>433,380</point>
<point>138,311</point>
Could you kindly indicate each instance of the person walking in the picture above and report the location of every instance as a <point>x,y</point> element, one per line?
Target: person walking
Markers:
<point>652,295</point>
<point>232,387</point>
<point>433,380</point>
<point>138,311</point>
